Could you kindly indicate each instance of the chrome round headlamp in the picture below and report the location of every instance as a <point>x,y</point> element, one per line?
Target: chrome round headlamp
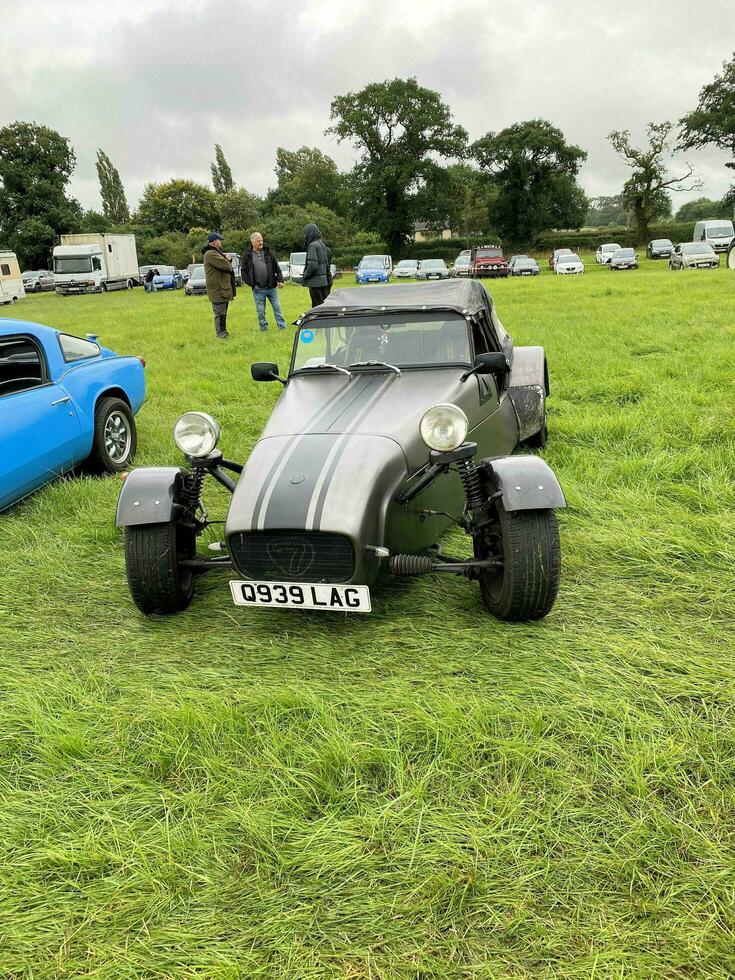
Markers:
<point>196,434</point>
<point>444,427</point>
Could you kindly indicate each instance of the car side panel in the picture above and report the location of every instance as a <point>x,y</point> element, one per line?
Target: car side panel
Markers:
<point>87,381</point>
<point>39,432</point>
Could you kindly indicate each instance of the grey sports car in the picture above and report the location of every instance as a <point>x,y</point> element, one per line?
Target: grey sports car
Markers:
<point>399,413</point>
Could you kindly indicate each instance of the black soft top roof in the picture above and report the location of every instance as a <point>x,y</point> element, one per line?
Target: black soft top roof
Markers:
<point>462,295</point>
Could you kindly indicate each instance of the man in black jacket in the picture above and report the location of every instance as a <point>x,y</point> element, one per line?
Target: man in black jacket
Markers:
<point>261,271</point>
<point>317,272</point>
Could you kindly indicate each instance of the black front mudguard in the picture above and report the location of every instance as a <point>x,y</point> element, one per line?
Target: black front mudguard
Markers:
<point>149,496</point>
<point>522,482</point>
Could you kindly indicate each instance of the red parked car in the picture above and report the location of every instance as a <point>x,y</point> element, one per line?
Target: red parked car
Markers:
<point>487,260</point>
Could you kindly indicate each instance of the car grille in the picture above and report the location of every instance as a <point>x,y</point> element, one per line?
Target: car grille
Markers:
<point>293,556</point>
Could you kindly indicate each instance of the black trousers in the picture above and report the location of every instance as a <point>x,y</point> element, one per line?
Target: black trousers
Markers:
<point>318,294</point>
<point>220,318</point>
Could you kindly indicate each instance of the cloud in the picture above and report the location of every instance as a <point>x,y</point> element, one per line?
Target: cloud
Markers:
<point>156,84</point>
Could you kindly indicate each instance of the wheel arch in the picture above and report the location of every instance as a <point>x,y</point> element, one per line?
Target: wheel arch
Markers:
<point>112,392</point>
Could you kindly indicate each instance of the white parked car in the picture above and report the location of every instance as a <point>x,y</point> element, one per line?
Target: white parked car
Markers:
<point>569,265</point>
<point>606,252</point>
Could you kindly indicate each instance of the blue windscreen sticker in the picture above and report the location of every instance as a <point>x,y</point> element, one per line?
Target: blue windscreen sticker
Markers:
<point>307,336</point>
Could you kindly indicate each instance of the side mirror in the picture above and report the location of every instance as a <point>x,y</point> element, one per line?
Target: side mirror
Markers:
<point>265,371</point>
<point>492,363</point>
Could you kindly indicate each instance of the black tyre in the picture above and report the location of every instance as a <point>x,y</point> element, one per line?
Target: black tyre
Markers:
<point>115,437</point>
<point>37,288</point>
<point>158,583</point>
<point>730,259</point>
<point>526,586</point>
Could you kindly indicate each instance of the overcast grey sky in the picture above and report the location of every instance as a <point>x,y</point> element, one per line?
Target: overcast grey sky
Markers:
<point>156,83</point>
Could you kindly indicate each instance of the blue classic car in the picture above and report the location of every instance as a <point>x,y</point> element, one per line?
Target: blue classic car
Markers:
<point>167,278</point>
<point>64,400</point>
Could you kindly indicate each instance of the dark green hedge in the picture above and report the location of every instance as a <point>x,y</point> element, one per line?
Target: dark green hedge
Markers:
<point>677,231</point>
<point>448,249</point>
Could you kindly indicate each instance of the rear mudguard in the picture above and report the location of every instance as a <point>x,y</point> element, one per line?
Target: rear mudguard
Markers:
<point>528,387</point>
<point>149,495</point>
<point>524,482</point>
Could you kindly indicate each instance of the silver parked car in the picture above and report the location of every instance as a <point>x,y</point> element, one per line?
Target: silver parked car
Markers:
<point>432,269</point>
<point>462,266</point>
<point>406,269</point>
<point>38,280</point>
<point>196,284</point>
<point>623,258</point>
<point>693,255</point>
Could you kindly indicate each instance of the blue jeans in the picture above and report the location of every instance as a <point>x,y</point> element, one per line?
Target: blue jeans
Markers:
<point>260,294</point>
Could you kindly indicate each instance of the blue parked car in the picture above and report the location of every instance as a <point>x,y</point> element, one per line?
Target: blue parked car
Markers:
<point>372,268</point>
<point>167,278</point>
<point>64,400</point>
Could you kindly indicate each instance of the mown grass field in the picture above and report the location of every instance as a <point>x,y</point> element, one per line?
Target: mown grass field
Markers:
<point>424,792</point>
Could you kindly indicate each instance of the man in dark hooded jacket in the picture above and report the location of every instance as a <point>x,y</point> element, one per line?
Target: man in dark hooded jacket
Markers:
<point>317,274</point>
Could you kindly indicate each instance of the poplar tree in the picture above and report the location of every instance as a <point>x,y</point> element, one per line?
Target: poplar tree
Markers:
<point>221,172</point>
<point>114,203</point>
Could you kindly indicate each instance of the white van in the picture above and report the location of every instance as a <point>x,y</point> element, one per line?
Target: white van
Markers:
<point>11,281</point>
<point>717,232</point>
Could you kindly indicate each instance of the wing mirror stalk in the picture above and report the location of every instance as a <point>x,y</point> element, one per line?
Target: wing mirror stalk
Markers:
<point>266,371</point>
<point>492,363</point>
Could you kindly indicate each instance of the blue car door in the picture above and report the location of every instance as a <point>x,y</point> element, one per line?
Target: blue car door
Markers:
<point>39,425</point>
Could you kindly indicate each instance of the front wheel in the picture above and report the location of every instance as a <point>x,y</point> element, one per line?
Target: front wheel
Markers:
<point>527,543</point>
<point>153,552</point>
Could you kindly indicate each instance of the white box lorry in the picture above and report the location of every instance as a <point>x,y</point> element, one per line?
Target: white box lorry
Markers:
<point>11,281</point>
<point>95,263</point>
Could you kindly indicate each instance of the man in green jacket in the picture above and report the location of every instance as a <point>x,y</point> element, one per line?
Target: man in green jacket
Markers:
<point>220,281</point>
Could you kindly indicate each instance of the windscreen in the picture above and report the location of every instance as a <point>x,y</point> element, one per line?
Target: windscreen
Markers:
<point>165,270</point>
<point>696,248</point>
<point>488,253</point>
<point>433,264</point>
<point>404,340</point>
<point>72,263</point>
<point>564,259</point>
<point>198,272</point>
<point>661,243</point>
<point>625,253</point>
<point>298,258</point>
<point>720,231</point>
<point>371,262</point>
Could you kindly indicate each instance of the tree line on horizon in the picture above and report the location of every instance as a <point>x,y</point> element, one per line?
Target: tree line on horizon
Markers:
<point>415,164</point>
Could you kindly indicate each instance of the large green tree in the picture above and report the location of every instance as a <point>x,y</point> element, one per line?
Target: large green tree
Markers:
<point>606,210</point>
<point>646,191</point>
<point>112,192</point>
<point>238,209</point>
<point>400,129</point>
<point>307,176</point>
<point>177,205</point>
<point>283,228</point>
<point>35,166</point>
<point>221,172</point>
<point>712,123</point>
<point>703,208</point>
<point>535,171</point>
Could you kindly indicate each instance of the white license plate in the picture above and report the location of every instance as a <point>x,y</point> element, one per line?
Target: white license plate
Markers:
<point>302,595</point>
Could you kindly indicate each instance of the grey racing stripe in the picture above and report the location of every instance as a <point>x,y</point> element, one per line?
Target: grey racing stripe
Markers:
<point>276,512</point>
<point>345,393</point>
<point>316,506</point>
